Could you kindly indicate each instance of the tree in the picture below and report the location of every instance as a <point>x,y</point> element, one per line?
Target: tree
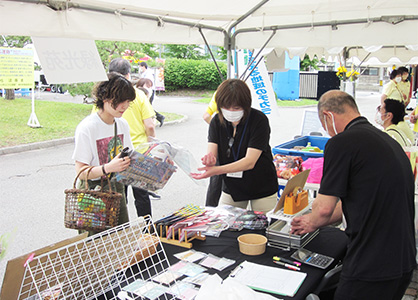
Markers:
<point>109,50</point>
<point>185,52</point>
<point>306,63</point>
<point>14,41</point>
<point>222,53</point>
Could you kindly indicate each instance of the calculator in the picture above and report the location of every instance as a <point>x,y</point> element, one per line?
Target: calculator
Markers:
<point>313,259</point>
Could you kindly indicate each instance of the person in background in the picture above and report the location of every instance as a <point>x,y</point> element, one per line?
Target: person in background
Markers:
<point>101,136</point>
<point>215,182</point>
<point>368,176</point>
<point>140,117</point>
<point>390,115</point>
<point>413,119</point>
<point>147,73</point>
<point>211,109</point>
<point>391,89</point>
<point>405,85</point>
<point>239,139</point>
<point>146,84</point>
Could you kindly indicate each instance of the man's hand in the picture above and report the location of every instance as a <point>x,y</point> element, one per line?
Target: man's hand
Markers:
<point>301,225</point>
<point>325,210</point>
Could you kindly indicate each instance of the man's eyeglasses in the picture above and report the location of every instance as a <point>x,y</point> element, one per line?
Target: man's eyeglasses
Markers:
<point>230,143</point>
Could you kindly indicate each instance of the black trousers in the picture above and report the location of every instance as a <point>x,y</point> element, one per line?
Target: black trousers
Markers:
<point>142,201</point>
<point>214,191</point>
<point>369,290</point>
<point>157,114</point>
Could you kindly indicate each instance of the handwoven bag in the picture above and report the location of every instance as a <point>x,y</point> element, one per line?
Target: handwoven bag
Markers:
<point>93,210</point>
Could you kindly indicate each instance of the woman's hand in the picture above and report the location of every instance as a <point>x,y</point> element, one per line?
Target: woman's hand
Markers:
<point>118,164</point>
<point>207,172</point>
<point>209,160</point>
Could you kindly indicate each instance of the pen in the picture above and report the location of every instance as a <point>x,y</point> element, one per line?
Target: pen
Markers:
<point>287,261</point>
<point>286,265</point>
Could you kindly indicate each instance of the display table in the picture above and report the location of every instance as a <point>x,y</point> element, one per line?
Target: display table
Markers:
<point>329,241</point>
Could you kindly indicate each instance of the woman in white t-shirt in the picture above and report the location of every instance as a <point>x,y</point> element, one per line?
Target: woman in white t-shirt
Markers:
<point>101,136</point>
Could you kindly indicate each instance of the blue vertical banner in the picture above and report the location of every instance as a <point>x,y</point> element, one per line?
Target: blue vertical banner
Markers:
<point>263,97</point>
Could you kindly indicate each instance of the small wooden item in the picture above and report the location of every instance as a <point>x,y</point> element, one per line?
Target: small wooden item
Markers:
<point>173,241</point>
<point>295,201</point>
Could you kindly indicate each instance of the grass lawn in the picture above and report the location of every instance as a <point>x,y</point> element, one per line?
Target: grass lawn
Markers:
<point>296,103</point>
<point>58,120</point>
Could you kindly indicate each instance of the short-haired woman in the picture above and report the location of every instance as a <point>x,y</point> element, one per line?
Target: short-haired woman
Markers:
<point>390,115</point>
<point>391,89</point>
<point>101,136</point>
<point>239,139</point>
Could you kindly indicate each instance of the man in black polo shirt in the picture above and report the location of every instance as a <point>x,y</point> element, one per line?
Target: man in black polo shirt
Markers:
<point>370,173</point>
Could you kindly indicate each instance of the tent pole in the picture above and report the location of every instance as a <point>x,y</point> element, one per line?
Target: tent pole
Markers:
<point>231,37</point>
<point>358,67</point>
<point>253,68</point>
<point>211,54</point>
<point>383,19</point>
<point>255,57</point>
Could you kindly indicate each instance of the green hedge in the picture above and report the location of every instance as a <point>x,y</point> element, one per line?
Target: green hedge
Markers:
<point>192,74</point>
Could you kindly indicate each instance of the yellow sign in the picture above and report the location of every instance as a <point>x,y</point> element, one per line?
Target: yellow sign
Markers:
<point>16,68</point>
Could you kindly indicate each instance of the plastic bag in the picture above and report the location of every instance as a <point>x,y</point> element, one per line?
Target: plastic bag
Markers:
<point>287,166</point>
<point>316,165</point>
<point>152,165</point>
<point>229,289</point>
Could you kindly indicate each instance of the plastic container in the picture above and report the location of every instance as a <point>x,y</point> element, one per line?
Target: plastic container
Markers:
<point>252,244</point>
<point>315,141</point>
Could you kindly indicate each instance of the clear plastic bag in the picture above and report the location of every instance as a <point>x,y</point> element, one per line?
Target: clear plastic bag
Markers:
<point>152,165</point>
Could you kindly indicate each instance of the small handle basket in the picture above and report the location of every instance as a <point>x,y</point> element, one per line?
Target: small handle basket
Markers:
<point>90,209</point>
<point>146,173</point>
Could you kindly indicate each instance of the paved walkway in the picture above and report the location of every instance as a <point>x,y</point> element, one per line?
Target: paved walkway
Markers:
<point>17,169</point>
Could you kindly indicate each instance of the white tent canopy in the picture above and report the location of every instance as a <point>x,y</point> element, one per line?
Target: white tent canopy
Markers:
<point>313,26</point>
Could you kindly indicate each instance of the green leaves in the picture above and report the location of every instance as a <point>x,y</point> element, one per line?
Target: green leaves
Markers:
<point>193,74</point>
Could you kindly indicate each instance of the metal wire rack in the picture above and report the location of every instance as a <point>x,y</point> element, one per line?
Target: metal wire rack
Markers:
<point>98,267</point>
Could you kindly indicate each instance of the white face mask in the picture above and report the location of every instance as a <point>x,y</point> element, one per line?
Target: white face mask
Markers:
<point>398,79</point>
<point>333,124</point>
<point>378,119</point>
<point>232,115</point>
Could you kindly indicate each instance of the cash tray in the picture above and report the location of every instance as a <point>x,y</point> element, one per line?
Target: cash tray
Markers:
<point>283,239</point>
<point>278,235</point>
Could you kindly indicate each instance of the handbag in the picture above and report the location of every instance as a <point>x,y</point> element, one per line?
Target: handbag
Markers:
<point>93,210</point>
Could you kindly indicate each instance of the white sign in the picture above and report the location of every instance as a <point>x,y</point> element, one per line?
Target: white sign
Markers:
<point>263,97</point>
<point>66,60</point>
<point>311,123</point>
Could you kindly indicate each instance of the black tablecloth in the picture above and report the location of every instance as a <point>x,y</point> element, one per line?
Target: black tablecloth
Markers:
<point>329,241</point>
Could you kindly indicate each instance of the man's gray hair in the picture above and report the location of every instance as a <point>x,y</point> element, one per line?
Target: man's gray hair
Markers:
<point>120,65</point>
<point>336,101</point>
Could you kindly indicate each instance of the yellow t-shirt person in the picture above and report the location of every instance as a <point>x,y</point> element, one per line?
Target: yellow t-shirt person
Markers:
<point>139,110</point>
<point>211,109</point>
<point>392,91</point>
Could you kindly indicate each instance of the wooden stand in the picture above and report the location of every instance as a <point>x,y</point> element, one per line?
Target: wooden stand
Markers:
<point>187,242</point>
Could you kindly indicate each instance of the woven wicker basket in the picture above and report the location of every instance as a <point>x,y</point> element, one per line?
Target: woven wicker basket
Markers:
<point>90,209</point>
